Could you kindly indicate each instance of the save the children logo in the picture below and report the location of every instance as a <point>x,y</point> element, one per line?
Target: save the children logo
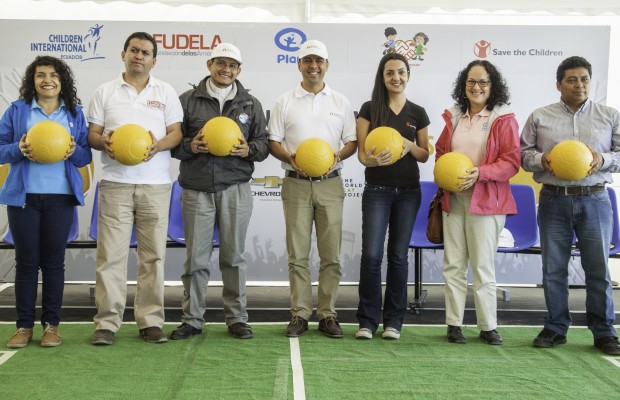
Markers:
<point>289,40</point>
<point>483,49</point>
<point>72,46</point>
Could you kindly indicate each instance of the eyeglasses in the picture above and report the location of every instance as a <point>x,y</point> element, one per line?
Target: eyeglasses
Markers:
<point>481,83</point>
<point>221,64</point>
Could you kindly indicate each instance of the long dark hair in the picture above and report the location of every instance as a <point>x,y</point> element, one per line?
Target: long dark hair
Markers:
<point>379,101</point>
<point>68,92</point>
<point>499,93</point>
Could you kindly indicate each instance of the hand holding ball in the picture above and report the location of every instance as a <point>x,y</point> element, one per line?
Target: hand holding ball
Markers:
<point>130,144</point>
<point>449,168</point>
<point>315,157</point>
<point>49,142</point>
<point>570,160</point>
<point>384,137</point>
<point>221,134</point>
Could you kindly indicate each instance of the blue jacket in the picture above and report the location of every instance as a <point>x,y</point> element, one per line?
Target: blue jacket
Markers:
<point>12,128</point>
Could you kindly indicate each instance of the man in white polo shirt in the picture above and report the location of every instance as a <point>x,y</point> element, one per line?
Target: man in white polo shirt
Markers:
<point>138,194</point>
<point>312,109</point>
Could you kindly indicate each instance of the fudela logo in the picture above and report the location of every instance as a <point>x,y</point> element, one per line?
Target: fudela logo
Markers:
<point>289,40</point>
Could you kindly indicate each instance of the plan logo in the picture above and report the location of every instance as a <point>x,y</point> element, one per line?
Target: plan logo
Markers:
<point>289,40</point>
<point>71,46</point>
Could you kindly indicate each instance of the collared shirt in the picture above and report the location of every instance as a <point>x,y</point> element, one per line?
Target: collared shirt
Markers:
<point>299,115</point>
<point>470,135</point>
<point>48,178</point>
<point>596,125</point>
<point>156,107</point>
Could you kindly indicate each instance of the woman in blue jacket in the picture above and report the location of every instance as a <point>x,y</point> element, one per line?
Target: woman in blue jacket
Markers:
<point>40,198</point>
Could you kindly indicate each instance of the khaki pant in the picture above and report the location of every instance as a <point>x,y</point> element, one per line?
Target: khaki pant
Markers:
<point>120,206</point>
<point>470,238</point>
<point>320,204</point>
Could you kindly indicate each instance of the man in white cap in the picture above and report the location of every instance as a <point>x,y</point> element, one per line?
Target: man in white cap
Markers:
<point>312,109</point>
<point>216,190</point>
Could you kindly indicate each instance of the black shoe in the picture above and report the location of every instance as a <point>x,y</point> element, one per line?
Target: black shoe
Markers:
<point>608,345</point>
<point>455,335</point>
<point>102,337</point>
<point>296,327</point>
<point>241,330</point>
<point>548,338</point>
<point>153,334</point>
<point>184,331</point>
<point>491,337</point>
<point>330,328</point>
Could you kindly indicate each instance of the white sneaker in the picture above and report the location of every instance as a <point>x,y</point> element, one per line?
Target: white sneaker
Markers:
<point>364,334</point>
<point>391,333</point>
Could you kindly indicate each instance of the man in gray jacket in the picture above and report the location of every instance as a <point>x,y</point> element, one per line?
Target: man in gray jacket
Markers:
<point>216,190</point>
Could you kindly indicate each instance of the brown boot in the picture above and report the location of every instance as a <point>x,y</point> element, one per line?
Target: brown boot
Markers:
<point>20,338</point>
<point>51,337</point>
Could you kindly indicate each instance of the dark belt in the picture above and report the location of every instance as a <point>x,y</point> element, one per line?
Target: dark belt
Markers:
<point>574,190</point>
<point>294,174</point>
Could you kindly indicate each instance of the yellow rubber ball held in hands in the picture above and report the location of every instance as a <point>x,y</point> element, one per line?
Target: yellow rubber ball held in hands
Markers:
<point>570,160</point>
<point>449,168</point>
<point>130,143</point>
<point>384,137</point>
<point>49,141</point>
<point>314,157</point>
<point>221,134</point>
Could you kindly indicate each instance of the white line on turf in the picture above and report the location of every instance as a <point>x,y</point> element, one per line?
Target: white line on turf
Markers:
<point>5,355</point>
<point>299,391</point>
<point>614,360</point>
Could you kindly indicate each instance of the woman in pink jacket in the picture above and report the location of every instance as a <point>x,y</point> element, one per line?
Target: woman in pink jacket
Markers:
<point>481,126</point>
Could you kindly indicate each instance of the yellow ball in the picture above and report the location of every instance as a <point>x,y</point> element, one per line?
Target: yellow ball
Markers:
<point>130,143</point>
<point>49,141</point>
<point>570,160</point>
<point>314,157</point>
<point>221,134</point>
<point>384,137</point>
<point>448,168</point>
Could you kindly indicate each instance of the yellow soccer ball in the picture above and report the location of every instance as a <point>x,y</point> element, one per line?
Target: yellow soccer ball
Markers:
<point>130,143</point>
<point>314,157</point>
<point>221,134</point>
<point>448,168</point>
<point>384,137</point>
<point>49,141</point>
<point>570,160</point>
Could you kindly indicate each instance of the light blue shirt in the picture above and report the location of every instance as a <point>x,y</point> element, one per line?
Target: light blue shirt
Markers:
<point>594,124</point>
<point>48,178</point>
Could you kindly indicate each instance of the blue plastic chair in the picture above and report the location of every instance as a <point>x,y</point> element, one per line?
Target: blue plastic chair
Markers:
<point>614,246</point>
<point>175,218</point>
<point>73,233</point>
<point>524,225</point>
<point>93,221</point>
<point>419,242</point>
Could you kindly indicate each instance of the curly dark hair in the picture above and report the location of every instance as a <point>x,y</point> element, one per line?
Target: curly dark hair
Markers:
<point>379,101</point>
<point>68,91</point>
<point>499,91</point>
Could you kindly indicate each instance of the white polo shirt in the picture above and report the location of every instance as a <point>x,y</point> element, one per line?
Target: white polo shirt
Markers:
<point>299,115</point>
<point>117,103</point>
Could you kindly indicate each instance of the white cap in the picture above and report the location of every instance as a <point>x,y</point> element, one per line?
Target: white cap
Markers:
<point>227,50</point>
<point>313,47</point>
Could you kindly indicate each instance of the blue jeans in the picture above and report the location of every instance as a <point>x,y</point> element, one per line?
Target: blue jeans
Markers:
<point>590,217</point>
<point>383,207</point>
<point>40,230</point>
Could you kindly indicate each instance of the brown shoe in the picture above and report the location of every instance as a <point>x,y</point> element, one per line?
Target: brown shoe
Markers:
<point>153,334</point>
<point>296,327</point>
<point>51,337</point>
<point>330,328</point>
<point>20,338</point>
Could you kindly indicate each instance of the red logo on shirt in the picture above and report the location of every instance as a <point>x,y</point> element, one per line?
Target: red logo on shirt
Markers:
<point>155,104</point>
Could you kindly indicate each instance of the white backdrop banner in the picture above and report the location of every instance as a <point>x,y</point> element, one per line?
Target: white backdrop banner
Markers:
<point>527,56</point>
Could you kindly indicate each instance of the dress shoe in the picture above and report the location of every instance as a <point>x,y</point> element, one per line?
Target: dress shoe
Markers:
<point>51,337</point>
<point>153,334</point>
<point>20,338</point>
<point>548,338</point>
<point>296,327</point>
<point>608,345</point>
<point>330,328</point>
<point>241,330</point>
<point>491,337</point>
<point>184,331</point>
<point>455,335</point>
